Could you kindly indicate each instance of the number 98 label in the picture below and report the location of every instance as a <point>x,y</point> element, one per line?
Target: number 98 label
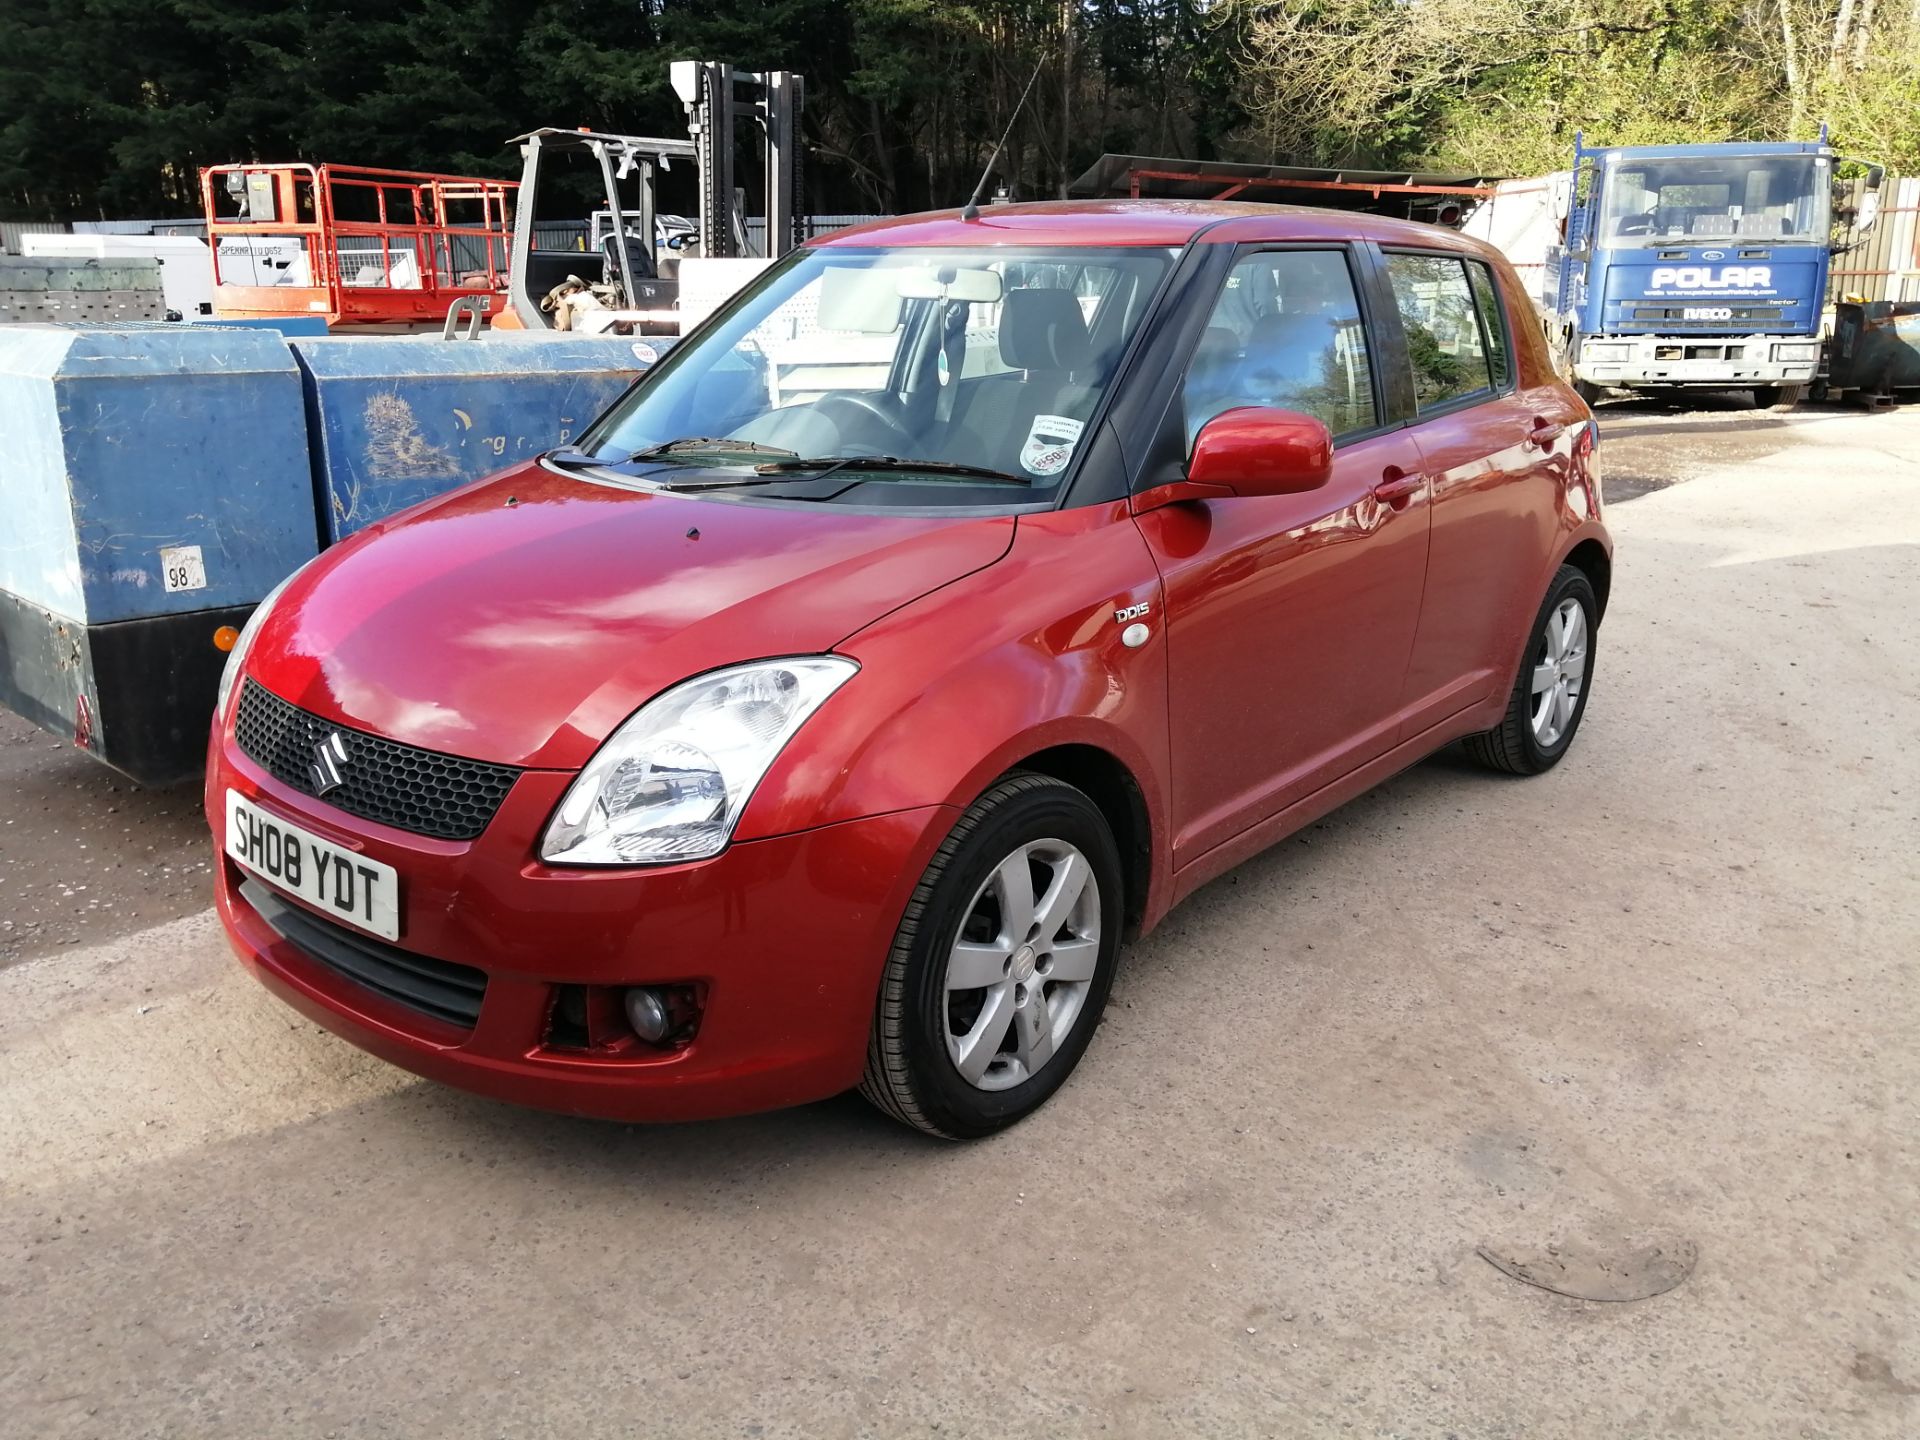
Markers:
<point>181,568</point>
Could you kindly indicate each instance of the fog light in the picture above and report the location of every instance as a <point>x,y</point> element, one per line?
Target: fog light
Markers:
<point>647,1013</point>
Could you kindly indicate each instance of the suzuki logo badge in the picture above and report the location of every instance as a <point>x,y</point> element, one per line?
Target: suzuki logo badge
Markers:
<point>329,758</point>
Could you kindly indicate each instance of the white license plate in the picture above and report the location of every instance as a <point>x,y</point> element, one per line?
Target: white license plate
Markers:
<point>345,885</point>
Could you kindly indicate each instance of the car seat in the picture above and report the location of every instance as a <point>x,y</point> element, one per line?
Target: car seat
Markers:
<point>1043,339</point>
<point>1287,354</point>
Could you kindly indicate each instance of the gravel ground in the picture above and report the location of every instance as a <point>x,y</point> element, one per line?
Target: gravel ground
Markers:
<point>1663,997</point>
<point>85,854</point>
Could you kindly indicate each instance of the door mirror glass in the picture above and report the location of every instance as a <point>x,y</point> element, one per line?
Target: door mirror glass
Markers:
<point>1259,450</point>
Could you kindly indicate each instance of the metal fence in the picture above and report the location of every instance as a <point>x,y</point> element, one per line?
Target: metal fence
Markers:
<point>548,235</point>
<point>816,225</point>
<point>1886,264</point>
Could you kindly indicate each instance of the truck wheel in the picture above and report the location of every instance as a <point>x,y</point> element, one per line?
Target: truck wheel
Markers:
<point>1001,965</point>
<point>1588,391</point>
<point>1778,398</point>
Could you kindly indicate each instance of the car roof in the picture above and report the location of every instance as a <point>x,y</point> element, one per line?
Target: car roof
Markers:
<point>1144,222</point>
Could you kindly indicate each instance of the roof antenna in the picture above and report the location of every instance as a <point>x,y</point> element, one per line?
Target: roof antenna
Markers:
<point>971,210</point>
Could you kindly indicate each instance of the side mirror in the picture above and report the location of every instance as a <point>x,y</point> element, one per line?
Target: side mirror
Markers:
<point>1259,450</point>
<point>1870,200</point>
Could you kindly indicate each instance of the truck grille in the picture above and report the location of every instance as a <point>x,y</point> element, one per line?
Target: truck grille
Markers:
<point>421,791</point>
<point>438,988</point>
<point>1676,315</point>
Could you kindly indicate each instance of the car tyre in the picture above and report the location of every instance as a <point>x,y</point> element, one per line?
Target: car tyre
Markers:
<point>1549,695</point>
<point>935,1060</point>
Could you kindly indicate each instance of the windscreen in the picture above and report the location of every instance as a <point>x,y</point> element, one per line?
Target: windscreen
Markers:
<point>994,358</point>
<point>1743,199</point>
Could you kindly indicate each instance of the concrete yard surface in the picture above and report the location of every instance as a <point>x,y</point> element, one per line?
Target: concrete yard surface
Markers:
<point>1663,996</point>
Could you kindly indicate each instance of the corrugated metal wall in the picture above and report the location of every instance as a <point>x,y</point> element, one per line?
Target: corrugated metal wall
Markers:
<point>194,227</point>
<point>1886,264</point>
<point>12,230</point>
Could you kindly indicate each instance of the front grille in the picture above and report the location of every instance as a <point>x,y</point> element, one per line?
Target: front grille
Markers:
<point>1677,314</point>
<point>421,791</point>
<point>438,988</point>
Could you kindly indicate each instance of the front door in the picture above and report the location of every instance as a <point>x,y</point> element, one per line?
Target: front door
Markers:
<point>1289,618</point>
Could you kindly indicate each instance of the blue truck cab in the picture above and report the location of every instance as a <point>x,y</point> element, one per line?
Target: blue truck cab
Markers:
<point>1695,265</point>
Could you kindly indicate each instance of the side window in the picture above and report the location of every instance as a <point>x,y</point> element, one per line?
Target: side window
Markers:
<point>1285,331</point>
<point>1443,330</point>
<point>1492,324</point>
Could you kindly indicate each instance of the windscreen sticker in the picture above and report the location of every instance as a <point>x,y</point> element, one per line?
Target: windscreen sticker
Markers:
<point>1050,444</point>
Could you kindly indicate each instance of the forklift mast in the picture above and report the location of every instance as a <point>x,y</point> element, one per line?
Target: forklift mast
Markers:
<point>716,96</point>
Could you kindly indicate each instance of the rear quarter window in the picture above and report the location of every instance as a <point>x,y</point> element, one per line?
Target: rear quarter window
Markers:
<point>1493,323</point>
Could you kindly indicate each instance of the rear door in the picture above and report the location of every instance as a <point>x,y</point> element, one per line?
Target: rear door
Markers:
<point>1493,451</point>
<point>1289,617</point>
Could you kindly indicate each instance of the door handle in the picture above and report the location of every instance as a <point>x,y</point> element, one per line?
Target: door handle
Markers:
<point>1397,488</point>
<point>1544,432</point>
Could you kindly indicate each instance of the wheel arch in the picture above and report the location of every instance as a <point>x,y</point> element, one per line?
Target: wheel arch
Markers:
<point>1591,559</point>
<point>1105,779</point>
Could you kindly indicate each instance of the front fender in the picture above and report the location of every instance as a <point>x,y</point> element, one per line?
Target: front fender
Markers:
<point>963,684</point>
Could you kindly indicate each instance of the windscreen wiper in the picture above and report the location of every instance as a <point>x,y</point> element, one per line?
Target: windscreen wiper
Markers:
<point>573,457</point>
<point>708,445</point>
<point>825,464</point>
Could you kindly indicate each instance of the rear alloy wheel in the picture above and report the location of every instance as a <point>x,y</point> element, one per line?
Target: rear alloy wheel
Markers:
<point>1002,963</point>
<point>1550,693</point>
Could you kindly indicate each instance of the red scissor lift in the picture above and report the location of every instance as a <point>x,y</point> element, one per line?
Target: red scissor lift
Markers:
<point>353,245</point>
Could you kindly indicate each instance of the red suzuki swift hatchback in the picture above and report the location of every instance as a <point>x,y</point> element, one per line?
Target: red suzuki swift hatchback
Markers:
<point>953,602</point>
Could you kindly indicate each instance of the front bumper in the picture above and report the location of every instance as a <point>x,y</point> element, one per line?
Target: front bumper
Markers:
<point>1710,360</point>
<point>784,937</point>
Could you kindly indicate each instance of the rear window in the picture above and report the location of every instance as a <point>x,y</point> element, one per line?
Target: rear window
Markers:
<point>1442,322</point>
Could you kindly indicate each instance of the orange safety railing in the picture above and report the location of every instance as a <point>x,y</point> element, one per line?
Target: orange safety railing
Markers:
<point>354,245</point>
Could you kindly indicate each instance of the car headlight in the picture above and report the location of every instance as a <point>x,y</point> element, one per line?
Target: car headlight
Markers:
<point>237,657</point>
<point>670,783</point>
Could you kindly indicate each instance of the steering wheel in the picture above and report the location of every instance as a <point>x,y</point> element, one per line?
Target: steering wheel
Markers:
<point>869,408</point>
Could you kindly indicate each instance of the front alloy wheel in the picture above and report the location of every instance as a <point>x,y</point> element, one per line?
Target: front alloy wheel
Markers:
<point>1001,965</point>
<point>1018,975</point>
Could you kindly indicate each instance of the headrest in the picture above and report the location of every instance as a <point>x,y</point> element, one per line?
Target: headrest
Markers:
<point>1043,330</point>
<point>1217,346</point>
<point>1299,328</point>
